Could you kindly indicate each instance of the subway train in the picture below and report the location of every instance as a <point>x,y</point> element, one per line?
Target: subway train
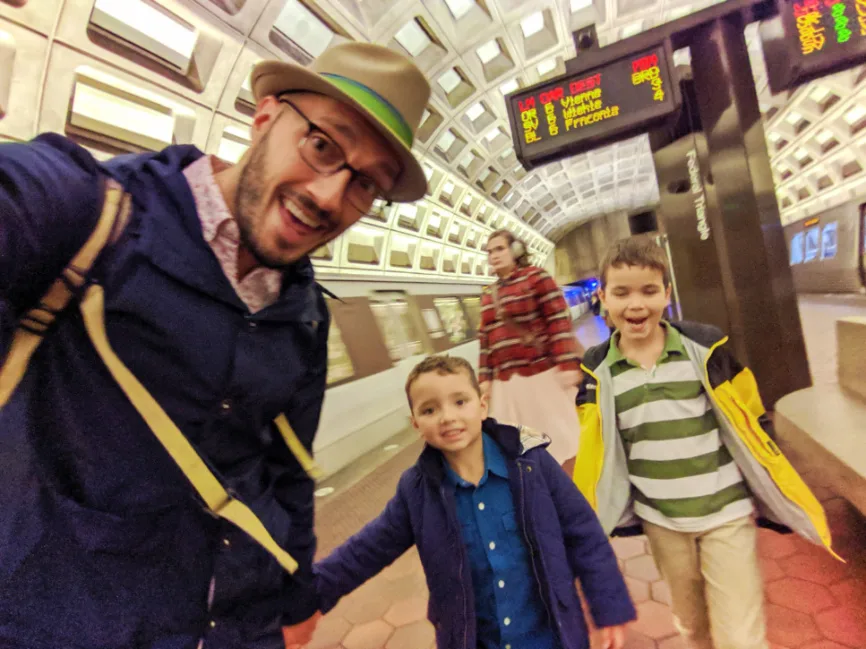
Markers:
<point>379,331</point>
<point>827,251</point>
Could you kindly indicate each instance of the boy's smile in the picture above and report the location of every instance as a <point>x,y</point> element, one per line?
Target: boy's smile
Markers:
<point>447,411</point>
<point>635,297</point>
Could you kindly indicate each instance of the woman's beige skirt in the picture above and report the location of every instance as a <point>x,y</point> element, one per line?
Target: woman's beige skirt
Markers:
<point>539,402</point>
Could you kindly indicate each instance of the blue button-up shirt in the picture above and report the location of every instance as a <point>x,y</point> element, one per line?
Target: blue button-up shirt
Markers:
<point>508,605</point>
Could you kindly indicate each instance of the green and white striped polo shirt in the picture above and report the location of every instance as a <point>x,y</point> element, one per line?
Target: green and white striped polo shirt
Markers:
<point>684,477</point>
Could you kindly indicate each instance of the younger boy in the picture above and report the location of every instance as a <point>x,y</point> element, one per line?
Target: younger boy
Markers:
<point>675,440</point>
<point>501,531</point>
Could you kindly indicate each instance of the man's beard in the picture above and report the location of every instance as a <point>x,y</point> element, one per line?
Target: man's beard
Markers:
<point>248,203</point>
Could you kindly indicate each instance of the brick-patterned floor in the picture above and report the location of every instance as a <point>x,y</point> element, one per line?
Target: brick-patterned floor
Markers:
<point>813,601</point>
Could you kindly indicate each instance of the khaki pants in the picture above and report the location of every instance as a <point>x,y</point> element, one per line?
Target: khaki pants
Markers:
<point>715,581</point>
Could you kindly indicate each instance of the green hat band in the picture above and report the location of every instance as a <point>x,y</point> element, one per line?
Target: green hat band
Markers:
<point>377,105</point>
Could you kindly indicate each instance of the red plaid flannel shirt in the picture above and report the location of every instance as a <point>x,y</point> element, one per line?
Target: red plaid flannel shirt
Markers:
<point>532,299</point>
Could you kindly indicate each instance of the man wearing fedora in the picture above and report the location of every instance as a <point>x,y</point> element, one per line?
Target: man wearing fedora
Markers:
<point>155,430</point>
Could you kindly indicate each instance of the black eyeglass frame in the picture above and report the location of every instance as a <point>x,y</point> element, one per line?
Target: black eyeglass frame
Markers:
<point>313,127</point>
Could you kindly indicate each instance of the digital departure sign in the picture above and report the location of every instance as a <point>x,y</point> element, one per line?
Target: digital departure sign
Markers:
<point>581,111</point>
<point>813,38</point>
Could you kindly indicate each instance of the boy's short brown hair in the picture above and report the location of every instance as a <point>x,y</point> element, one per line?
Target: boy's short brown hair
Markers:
<point>441,364</point>
<point>640,251</point>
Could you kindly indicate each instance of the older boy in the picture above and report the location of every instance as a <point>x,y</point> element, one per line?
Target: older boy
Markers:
<point>675,439</point>
<point>501,532</point>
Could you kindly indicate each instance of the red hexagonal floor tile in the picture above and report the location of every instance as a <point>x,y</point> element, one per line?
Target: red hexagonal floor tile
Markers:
<point>638,589</point>
<point>628,547</point>
<point>770,570</point>
<point>643,568</point>
<point>661,592</point>
<point>776,546</point>
<point>790,628</point>
<point>412,636</point>
<point>800,595</point>
<point>851,593</point>
<point>654,620</point>
<point>825,644</point>
<point>636,640</point>
<point>407,611</point>
<point>330,631</point>
<point>845,625</point>
<point>372,635</point>
<point>816,567</point>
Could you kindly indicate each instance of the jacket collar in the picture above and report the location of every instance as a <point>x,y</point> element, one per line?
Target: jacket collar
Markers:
<point>173,239</point>
<point>513,441</point>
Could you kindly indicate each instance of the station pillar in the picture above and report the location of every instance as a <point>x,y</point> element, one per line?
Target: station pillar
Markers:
<point>756,282</point>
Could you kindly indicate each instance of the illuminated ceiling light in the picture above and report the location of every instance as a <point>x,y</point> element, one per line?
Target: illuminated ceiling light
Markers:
<point>413,38</point>
<point>446,140</point>
<point>801,154</point>
<point>819,94</point>
<point>300,25</point>
<point>492,134</point>
<point>484,175</point>
<point>508,87</point>
<point>824,136</point>
<point>488,52</point>
<point>532,24</point>
<point>425,116</point>
<point>449,81</point>
<point>475,111</point>
<point>146,26</point>
<point>548,65</point>
<point>632,29</point>
<point>467,201</point>
<point>467,160</point>
<point>459,8</point>
<point>774,137</point>
<point>682,57</point>
<point>577,5</point>
<point>854,115</point>
<point>449,187</point>
<point>428,171</point>
<point>793,118</point>
<point>506,154</point>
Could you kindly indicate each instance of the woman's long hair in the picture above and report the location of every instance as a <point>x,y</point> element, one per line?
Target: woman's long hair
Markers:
<point>521,260</point>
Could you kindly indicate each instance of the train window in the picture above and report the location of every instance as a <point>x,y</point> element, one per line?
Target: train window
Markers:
<point>812,243</point>
<point>472,306</point>
<point>452,317</point>
<point>340,365</point>
<point>828,241</point>
<point>797,249</point>
<point>398,329</point>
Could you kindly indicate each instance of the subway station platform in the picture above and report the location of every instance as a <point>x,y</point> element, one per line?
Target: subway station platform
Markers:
<point>812,600</point>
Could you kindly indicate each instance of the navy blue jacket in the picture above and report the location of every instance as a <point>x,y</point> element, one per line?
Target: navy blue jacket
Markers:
<point>564,536</point>
<point>103,542</point>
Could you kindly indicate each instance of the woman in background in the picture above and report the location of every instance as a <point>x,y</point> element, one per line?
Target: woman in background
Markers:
<point>530,357</point>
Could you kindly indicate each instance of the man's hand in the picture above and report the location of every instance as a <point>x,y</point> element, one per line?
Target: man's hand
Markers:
<point>299,635</point>
<point>611,637</point>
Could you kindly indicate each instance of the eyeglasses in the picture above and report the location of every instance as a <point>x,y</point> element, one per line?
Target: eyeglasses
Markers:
<point>323,155</point>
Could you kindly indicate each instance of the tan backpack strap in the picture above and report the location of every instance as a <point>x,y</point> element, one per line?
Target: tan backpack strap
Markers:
<point>215,496</point>
<point>38,320</point>
<point>297,448</point>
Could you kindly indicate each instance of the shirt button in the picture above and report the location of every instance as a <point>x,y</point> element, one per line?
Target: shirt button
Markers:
<point>227,543</point>
<point>492,545</point>
<point>481,506</point>
<point>501,584</point>
<point>506,621</point>
<point>508,646</point>
<point>212,624</point>
<point>226,405</point>
<point>252,325</point>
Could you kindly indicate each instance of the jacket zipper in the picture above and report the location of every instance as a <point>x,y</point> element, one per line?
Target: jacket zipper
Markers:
<point>521,467</point>
<point>454,520</point>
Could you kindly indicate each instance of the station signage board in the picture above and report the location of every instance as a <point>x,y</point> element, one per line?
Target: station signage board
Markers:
<point>808,39</point>
<point>588,108</point>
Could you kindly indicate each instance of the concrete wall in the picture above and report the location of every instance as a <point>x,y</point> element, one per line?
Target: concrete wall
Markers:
<point>579,253</point>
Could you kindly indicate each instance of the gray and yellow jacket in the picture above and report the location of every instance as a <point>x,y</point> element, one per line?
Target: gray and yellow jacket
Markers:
<point>601,473</point>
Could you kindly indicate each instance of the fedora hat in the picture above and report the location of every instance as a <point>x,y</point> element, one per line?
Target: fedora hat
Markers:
<point>385,87</point>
